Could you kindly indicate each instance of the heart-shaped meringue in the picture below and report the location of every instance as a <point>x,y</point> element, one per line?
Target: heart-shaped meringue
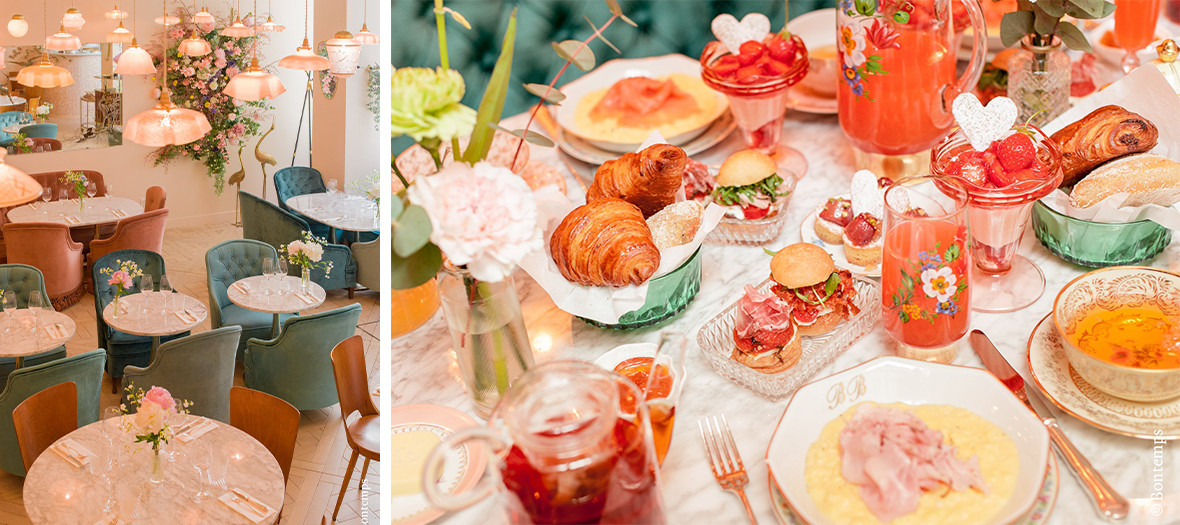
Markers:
<point>867,195</point>
<point>980,124</point>
<point>732,34</point>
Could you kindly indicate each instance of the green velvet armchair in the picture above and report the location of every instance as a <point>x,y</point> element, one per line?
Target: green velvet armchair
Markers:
<point>122,348</point>
<point>300,180</point>
<point>22,279</point>
<point>368,263</point>
<point>197,368</point>
<point>226,264</point>
<point>263,221</point>
<point>296,366</point>
<point>85,370</point>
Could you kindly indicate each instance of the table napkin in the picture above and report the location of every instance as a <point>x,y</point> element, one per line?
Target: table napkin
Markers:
<point>33,205</point>
<point>306,297</point>
<point>54,331</point>
<point>242,287</point>
<point>244,508</point>
<point>76,454</point>
<point>185,317</point>
<point>70,219</point>
<point>197,431</point>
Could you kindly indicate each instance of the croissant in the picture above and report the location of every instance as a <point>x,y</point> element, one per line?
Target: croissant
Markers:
<point>1107,133</point>
<point>648,179</point>
<point>605,243</point>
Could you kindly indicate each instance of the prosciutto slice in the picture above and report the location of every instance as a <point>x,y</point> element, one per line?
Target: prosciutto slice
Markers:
<point>762,312</point>
<point>893,456</point>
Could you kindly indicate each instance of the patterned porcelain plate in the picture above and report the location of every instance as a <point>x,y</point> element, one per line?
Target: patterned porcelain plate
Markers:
<point>463,466</point>
<point>584,151</point>
<point>1039,513</point>
<point>1053,375</point>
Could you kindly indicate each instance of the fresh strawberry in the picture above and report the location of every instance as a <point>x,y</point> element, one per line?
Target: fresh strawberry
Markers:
<point>750,52</point>
<point>781,49</point>
<point>775,68</point>
<point>726,65</point>
<point>997,175</point>
<point>973,172</point>
<point>1016,152</point>
<point>748,74</point>
<point>754,212</point>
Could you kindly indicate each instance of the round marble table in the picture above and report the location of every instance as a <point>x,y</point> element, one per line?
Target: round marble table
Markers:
<point>28,332</point>
<point>13,129</point>
<point>338,210</point>
<point>144,314</point>
<point>96,211</point>
<point>428,369</point>
<point>57,492</point>
<point>279,301</point>
<point>9,103</point>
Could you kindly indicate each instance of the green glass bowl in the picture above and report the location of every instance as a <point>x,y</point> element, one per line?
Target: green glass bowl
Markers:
<point>667,295</point>
<point>1098,244</point>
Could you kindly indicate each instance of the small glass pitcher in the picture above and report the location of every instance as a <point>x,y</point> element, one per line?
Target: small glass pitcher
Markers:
<point>567,451</point>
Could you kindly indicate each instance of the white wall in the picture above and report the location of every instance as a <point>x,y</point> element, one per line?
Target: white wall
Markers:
<point>191,198</point>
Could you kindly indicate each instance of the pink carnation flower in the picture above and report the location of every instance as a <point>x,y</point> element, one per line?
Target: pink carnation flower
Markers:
<point>159,397</point>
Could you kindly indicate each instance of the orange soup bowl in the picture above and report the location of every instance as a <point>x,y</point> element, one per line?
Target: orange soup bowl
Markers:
<point>1121,330</point>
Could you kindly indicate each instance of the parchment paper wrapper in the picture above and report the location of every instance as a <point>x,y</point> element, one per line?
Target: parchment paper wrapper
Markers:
<point>1146,92</point>
<point>604,304</point>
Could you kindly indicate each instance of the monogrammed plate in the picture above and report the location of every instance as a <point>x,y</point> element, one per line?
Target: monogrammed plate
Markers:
<point>1053,375</point>
<point>464,465</point>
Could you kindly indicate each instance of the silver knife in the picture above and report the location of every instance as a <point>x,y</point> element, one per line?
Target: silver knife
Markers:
<point>1110,503</point>
<point>253,503</point>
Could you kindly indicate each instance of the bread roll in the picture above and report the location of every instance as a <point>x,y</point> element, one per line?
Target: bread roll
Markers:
<point>1146,178</point>
<point>649,179</point>
<point>605,243</point>
<point>801,264</point>
<point>1107,133</point>
<point>676,224</point>
<point>774,360</point>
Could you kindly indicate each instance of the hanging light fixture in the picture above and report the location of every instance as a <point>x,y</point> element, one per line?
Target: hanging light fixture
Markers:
<point>344,52</point>
<point>204,18</point>
<point>364,36</point>
<point>270,26</point>
<point>115,14</point>
<point>166,124</point>
<point>135,60</point>
<point>120,35</point>
<point>167,20</point>
<point>44,73</point>
<point>254,83</point>
<point>194,45</point>
<point>238,29</point>
<point>304,59</point>
<point>17,26</point>
<point>72,20</point>
<point>16,186</point>
<point>62,41</point>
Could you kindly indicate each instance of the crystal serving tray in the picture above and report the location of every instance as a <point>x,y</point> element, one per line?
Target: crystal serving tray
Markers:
<point>716,341</point>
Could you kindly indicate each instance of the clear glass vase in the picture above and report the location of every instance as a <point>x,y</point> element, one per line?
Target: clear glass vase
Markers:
<point>115,307</point>
<point>305,279</point>
<point>157,474</point>
<point>1038,80</point>
<point>487,328</point>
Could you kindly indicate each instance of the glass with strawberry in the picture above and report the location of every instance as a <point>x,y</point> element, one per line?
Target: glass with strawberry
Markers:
<point>1004,180</point>
<point>756,79</point>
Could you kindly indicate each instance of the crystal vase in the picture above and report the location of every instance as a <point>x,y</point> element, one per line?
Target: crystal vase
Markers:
<point>1038,80</point>
<point>488,332</point>
<point>115,307</point>
<point>157,475</point>
<point>305,279</point>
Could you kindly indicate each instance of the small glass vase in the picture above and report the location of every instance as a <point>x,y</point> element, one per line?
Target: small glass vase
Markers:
<point>115,307</point>
<point>488,332</point>
<point>305,279</point>
<point>157,474</point>
<point>1038,80</point>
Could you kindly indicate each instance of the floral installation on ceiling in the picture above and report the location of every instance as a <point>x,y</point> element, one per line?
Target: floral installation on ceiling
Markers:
<point>196,83</point>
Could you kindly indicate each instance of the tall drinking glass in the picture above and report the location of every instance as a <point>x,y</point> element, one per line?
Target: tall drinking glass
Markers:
<point>9,305</point>
<point>165,291</point>
<point>1134,28</point>
<point>1003,280</point>
<point>282,275</point>
<point>899,78</point>
<point>925,270</point>
<point>46,196</point>
<point>268,271</point>
<point>146,286</point>
<point>110,431</point>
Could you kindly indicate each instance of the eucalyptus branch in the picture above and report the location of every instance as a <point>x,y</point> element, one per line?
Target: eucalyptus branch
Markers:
<point>405,183</point>
<point>550,88</point>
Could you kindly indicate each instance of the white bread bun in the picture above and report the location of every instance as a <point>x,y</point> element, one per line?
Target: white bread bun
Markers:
<point>775,360</point>
<point>745,167</point>
<point>822,325</point>
<point>801,264</point>
<point>1144,177</point>
<point>676,224</point>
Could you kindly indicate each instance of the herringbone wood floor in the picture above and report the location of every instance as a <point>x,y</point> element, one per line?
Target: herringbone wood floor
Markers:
<point>321,451</point>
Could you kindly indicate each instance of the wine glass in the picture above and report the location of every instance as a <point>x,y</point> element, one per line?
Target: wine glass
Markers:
<point>9,305</point>
<point>165,291</point>
<point>332,186</point>
<point>1134,28</point>
<point>282,274</point>
<point>46,196</point>
<point>202,462</point>
<point>146,286</point>
<point>110,430</point>
<point>268,270</point>
<point>35,302</point>
<point>91,189</point>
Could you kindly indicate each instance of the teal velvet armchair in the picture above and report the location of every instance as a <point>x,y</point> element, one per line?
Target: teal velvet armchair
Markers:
<point>226,264</point>
<point>122,348</point>
<point>368,263</point>
<point>300,180</point>
<point>263,221</point>
<point>197,368</point>
<point>296,366</point>
<point>22,279</point>
<point>9,118</point>
<point>85,370</point>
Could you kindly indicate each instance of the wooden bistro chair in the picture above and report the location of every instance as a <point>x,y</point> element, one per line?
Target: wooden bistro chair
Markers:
<point>43,418</point>
<point>352,386</point>
<point>270,420</point>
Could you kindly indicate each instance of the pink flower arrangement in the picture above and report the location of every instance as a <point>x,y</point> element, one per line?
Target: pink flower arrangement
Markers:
<point>152,411</point>
<point>307,252</point>
<point>120,279</point>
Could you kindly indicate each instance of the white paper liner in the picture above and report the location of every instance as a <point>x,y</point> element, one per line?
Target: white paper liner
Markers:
<point>604,304</point>
<point>1145,91</point>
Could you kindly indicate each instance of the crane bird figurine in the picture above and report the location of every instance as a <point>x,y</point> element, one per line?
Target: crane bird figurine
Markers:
<point>265,158</point>
<point>236,179</point>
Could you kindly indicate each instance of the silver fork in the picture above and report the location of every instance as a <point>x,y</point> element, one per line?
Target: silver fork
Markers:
<point>724,459</point>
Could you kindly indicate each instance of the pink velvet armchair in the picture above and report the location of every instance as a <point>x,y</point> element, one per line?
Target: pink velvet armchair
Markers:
<point>47,246</point>
<point>155,198</point>
<point>141,232</point>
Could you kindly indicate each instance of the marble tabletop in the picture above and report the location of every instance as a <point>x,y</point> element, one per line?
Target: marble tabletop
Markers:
<point>275,302</point>
<point>57,492</point>
<point>338,210</point>
<point>95,211</point>
<point>155,321</point>
<point>26,332</point>
<point>425,369</point>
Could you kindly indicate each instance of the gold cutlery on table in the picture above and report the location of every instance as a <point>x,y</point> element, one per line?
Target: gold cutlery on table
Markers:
<point>1109,502</point>
<point>250,501</point>
<point>724,459</point>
